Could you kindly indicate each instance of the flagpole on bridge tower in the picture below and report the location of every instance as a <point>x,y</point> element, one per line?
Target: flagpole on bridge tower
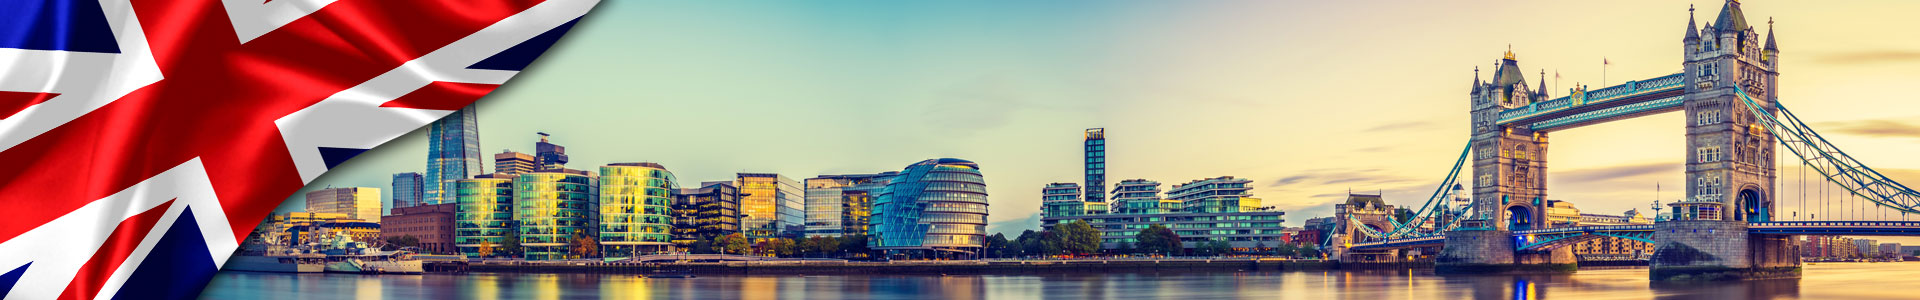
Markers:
<point>1603,70</point>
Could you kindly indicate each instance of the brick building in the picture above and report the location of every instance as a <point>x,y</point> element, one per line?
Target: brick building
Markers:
<point>432,224</point>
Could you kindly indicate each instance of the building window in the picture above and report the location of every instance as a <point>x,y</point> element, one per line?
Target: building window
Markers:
<point>1709,154</point>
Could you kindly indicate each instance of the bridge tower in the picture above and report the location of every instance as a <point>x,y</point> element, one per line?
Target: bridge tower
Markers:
<point>1509,178</point>
<point>1730,159</point>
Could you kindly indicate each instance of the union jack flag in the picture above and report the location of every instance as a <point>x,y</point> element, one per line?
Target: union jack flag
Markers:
<point>140,140</point>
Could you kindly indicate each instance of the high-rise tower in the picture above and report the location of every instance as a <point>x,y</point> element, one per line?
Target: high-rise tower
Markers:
<point>453,153</point>
<point>407,189</point>
<point>548,155</point>
<point>1096,150</point>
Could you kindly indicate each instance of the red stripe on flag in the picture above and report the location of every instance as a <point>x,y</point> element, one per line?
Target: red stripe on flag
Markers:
<point>14,102</point>
<point>442,95</point>
<point>219,102</point>
<point>125,238</point>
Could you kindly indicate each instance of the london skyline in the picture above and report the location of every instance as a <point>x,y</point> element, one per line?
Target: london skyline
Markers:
<point>1306,104</point>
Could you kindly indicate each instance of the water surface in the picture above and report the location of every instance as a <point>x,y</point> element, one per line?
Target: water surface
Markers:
<point>1821,281</point>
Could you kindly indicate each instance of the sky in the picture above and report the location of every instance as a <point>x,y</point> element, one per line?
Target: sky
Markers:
<point>1309,99</point>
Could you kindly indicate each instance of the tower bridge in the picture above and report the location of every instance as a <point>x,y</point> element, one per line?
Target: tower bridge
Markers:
<point>1729,225</point>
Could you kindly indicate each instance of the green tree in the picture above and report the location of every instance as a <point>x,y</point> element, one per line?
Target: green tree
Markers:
<point>398,242</point>
<point>1211,248</point>
<point>1078,238</point>
<point>1307,252</point>
<point>731,244</point>
<point>700,247</point>
<point>1029,243</point>
<point>1402,215</point>
<point>510,244</point>
<point>852,246</point>
<point>997,245</point>
<point>819,245</point>
<point>1157,239</point>
<point>777,247</point>
<point>1124,248</point>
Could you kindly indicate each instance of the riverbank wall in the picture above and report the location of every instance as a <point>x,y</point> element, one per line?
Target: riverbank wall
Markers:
<point>907,267</point>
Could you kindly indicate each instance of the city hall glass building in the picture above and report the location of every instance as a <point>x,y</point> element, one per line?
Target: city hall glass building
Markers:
<point>635,215</point>
<point>936,208</point>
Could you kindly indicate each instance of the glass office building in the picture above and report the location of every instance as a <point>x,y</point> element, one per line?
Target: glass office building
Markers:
<point>771,206</point>
<point>705,213</point>
<point>355,202</point>
<point>453,153</point>
<point>1096,150</point>
<point>1141,196</point>
<point>936,208</point>
<point>484,214</point>
<point>635,209</point>
<point>839,205</point>
<point>551,207</point>
<point>547,155</point>
<point>407,189</point>
<point>1214,195</point>
<point>1061,199</point>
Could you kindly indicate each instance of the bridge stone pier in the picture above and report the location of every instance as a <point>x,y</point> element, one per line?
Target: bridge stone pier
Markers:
<point>1721,250</point>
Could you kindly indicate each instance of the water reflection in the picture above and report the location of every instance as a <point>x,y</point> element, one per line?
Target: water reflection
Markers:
<point>1823,281</point>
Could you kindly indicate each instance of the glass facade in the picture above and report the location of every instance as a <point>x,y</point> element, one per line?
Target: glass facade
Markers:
<point>635,209</point>
<point>1214,195</point>
<point>1061,199</point>
<point>838,205</point>
<point>771,205</point>
<point>1140,196</point>
<point>1238,229</point>
<point>354,202</point>
<point>407,189</point>
<point>484,214</point>
<point>702,214</point>
<point>550,208</point>
<point>453,153</point>
<point>936,207</point>
<point>1096,150</point>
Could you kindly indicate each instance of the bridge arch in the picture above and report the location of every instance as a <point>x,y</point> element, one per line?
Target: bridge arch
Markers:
<point>1752,206</point>
<point>1520,217</point>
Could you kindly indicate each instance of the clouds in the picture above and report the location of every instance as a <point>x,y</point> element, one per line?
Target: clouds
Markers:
<point>1872,57</point>
<point>1399,126</point>
<point>1620,172</point>
<point>1876,128</point>
<point>1351,177</point>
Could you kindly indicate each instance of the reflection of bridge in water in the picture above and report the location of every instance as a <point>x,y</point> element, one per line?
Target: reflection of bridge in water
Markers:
<point>1731,223</point>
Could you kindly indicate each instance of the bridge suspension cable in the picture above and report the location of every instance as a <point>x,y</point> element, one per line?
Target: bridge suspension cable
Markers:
<point>1839,168</point>
<point>1435,206</point>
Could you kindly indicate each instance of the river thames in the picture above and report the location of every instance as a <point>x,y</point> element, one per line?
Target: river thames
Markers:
<point>1821,281</point>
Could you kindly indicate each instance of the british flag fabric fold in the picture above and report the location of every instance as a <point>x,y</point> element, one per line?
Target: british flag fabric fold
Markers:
<point>140,140</point>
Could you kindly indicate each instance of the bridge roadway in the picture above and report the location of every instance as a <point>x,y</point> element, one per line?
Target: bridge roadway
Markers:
<point>1579,108</point>
<point>1554,237</point>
